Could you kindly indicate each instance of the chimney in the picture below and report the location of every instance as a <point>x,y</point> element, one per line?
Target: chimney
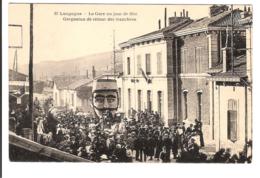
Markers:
<point>174,19</point>
<point>165,17</point>
<point>187,13</point>
<point>244,13</point>
<point>226,58</point>
<point>87,73</point>
<point>93,72</point>
<point>159,24</point>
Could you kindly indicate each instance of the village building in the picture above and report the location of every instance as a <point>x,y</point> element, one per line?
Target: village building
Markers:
<point>207,88</point>
<point>201,46</point>
<point>232,91</point>
<point>71,93</point>
<point>148,72</point>
<point>18,89</point>
<point>172,71</point>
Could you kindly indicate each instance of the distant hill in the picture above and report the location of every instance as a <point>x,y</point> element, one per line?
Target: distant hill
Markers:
<point>103,62</point>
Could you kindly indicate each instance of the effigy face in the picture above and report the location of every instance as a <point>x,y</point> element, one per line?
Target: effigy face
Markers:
<point>105,98</point>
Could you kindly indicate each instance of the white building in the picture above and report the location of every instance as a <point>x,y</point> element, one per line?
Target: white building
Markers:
<point>72,95</point>
<point>148,77</point>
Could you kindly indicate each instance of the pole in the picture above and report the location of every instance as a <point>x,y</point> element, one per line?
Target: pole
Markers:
<point>31,72</point>
<point>232,43</point>
<point>165,17</point>
<point>246,121</point>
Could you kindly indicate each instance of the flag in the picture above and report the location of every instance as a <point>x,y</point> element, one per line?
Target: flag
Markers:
<point>144,75</point>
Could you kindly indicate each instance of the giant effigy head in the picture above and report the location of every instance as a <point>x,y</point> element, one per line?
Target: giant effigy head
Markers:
<point>105,96</point>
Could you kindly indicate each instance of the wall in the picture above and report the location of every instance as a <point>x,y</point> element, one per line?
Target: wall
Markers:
<point>160,82</point>
<point>221,97</point>
<point>142,49</point>
<point>190,43</point>
<point>193,77</point>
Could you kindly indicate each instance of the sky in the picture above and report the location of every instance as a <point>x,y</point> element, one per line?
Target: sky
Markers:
<point>57,39</point>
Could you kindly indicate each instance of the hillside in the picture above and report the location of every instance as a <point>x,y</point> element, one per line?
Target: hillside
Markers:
<point>103,62</point>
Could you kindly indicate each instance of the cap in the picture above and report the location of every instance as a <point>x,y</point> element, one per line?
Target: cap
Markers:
<point>104,85</point>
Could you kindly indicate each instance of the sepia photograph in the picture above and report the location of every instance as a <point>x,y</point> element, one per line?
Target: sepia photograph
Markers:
<point>130,83</point>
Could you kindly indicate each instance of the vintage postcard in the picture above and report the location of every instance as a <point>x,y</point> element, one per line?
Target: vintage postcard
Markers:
<point>129,83</point>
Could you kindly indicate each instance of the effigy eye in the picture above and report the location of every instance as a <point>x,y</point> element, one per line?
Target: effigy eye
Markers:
<point>100,99</point>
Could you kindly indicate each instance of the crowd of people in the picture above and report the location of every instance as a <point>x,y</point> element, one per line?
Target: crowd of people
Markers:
<point>139,138</point>
<point>225,156</point>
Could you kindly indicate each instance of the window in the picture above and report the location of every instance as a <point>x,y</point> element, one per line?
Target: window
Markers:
<point>139,100</point>
<point>129,101</point>
<point>128,66</point>
<point>148,63</point>
<point>149,101</point>
<point>199,93</point>
<point>198,59</point>
<point>160,103</point>
<point>159,63</point>
<point>232,120</point>
<point>185,93</point>
<point>119,97</point>
<point>184,60</point>
<point>139,65</point>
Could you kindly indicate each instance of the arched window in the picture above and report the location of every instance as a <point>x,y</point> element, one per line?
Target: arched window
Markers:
<point>232,120</point>
<point>199,93</point>
<point>185,93</point>
<point>129,102</point>
<point>160,102</point>
<point>149,100</point>
<point>128,66</point>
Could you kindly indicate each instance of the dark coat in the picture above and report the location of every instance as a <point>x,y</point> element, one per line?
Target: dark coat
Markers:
<point>158,147</point>
<point>150,146</point>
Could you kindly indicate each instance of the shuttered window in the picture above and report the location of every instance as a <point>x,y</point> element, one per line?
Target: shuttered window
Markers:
<point>139,65</point>
<point>128,66</point>
<point>184,60</point>
<point>129,101</point>
<point>148,63</point>
<point>159,63</point>
<point>232,120</point>
<point>139,100</point>
<point>160,102</point>
<point>198,59</point>
<point>149,101</point>
<point>185,93</point>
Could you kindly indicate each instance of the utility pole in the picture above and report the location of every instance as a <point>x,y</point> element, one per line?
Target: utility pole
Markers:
<point>232,43</point>
<point>31,73</point>
<point>15,64</point>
